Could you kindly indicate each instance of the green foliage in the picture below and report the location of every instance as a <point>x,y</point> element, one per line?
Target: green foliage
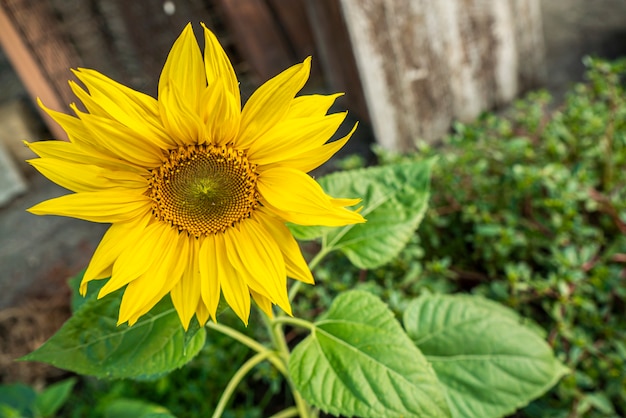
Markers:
<point>17,400</point>
<point>52,398</point>
<point>489,362</point>
<point>359,361</point>
<point>529,209</point>
<point>395,198</point>
<point>192,390</point>
<point>91,342</point>
<point>22,401</point>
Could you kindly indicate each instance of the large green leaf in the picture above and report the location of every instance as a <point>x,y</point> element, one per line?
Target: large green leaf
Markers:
<point>52,398</point>
<point>395,198</point>
<point>488,360</point>
<point>359,361</point>
<point>91,343</point>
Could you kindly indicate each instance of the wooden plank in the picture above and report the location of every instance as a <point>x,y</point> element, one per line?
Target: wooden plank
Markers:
<point>424,63</point>
<point>30,72</point>
<point>294,23</point>
<point>257,36</point>
<point>336,54</point>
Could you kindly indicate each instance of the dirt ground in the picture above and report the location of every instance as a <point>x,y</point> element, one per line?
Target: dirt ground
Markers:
<point>37,254</point>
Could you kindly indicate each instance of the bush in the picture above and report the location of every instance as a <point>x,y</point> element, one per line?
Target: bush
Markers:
<point>529,209</point>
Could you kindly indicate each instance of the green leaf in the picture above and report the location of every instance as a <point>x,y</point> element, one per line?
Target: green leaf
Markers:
<point>17,400</point>
<point>135,408</point>
<point>307,233</point>
<point>359,361</point>
<point>395,198</point>
<point>91,343</point>
<point>79,300</point>
<point>53,397</point>
<point>490,363</point>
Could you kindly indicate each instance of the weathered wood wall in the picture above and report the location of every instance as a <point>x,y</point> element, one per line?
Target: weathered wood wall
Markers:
<point>407,66</point>
<point>129,41</point>
<point>424,63</point>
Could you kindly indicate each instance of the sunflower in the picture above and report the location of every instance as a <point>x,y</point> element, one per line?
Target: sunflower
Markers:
<point>197,190</point>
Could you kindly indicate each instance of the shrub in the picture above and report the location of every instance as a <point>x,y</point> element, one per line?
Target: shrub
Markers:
<point>529,209</point>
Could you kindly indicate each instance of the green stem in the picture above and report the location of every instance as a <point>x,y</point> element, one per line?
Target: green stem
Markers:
<point>286,413</point>
<point>278,340</point>
<point>272,356</point>
<point>302,323</point>
<point>236,379</point>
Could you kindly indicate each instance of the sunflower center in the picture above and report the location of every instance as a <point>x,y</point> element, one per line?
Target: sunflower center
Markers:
<point>204,189</point>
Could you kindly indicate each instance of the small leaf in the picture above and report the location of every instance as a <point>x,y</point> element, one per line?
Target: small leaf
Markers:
<point>53,397</point>
<point>307,233</point>
<point>79,300</point>
<point>17,400</point>
<point>135,408</point>
<point>490,363</point>
<point>395,198</point>
<point>91,343</point>
<point>358,361</point>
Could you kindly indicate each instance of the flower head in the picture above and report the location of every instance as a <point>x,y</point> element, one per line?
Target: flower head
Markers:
<point>196,188</point>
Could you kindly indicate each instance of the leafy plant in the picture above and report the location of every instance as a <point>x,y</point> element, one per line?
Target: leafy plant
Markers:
<point>357,358</point>
<point>22,401</point>
<point>529,209</point>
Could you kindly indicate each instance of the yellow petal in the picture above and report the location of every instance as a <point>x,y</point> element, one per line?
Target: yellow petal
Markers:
<point>202,313</point>
<point>136,258</point>
<point>295,263</point>
<point>81,137</point>
<point>184,68</point>
<point>232,283</point>
<point>221,114</point>
<point>73,126</point>
<point>108,206</point>
<point>218,66</point>
<point>68,151</point>
<point>314,158</point>
<point>311,105</point>
<point>85,177</point>
<point>98,84</point>
<point>292,137</point>
<point>90,104</point>
<point>186,294</point>
<point>180,120</point>
<point>137,111</point>
<point>118,238</point>
<point>168,262</point>
<point>264,303</point>
<point>120,141</point>
<point>209,274</point>
<point>270,102</point>
<point>256,256</point>
<point>297,198</point>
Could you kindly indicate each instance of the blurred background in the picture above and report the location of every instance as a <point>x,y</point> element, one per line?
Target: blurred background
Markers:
<point>409,68</point>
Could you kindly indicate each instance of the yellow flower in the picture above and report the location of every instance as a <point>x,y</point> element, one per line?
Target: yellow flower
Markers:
<point>197,190</point>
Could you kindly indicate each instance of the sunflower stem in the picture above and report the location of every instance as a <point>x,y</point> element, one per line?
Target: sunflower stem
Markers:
<point>272,356</point>
<point>302,323</point>
<point>286,413</point>
<point>279,342</point>
<point>237,378</point>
